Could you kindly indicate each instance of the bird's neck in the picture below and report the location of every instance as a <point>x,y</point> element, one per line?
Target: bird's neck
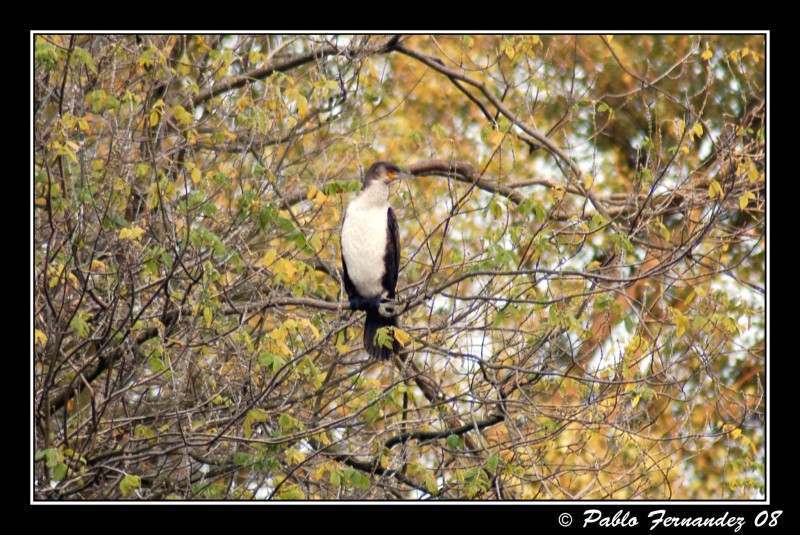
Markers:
<point>375,195</point>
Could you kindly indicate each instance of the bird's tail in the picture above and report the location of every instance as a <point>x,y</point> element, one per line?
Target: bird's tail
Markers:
<point>373,346</point>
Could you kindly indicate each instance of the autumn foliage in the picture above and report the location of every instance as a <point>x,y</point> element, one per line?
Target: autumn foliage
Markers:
<point>582,272</point>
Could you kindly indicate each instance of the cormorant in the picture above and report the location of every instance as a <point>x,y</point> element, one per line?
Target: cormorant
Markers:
<point>371,254</point>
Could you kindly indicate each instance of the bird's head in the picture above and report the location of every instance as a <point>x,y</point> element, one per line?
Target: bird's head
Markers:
<point>385,173</point>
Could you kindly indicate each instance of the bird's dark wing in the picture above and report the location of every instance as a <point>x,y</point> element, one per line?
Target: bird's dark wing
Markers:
<point>391,260</point>
<point>349,287</point>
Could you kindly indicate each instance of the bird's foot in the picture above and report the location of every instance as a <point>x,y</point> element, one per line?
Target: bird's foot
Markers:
<point>388,308</point>
<point>365,303</point>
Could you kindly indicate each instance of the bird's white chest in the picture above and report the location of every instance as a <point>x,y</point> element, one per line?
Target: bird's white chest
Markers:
<point>364,236</point>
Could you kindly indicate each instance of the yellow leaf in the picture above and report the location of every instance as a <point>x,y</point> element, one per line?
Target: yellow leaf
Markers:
<point>207,315</point>
<point>752,173</point>
<point>288,268</point>
<point>183,117</point>
<point>698,129</point>
<point>681,127</point>
<point>701,293</point>
<point>736,433</point>
<point>510,51</point>
<point>196,176</point>
<point>279,335</point>
<point>73,279</point>
<point>690,297</point>
<point>295,456</point>
<point>268,258</point>
<point>134,233</point>
<point>153,118</point>
<point>495,138</point>
<point>83,124</point>
<point>714,189</point>
<point>40,201</point>
<point>98,265</point>
<point>685,149</point>
<point>302,106</point>
<point>401,336</point>
<point>727,428</point>
<point>312,192</point>
<point>665,233</point>
<point>744,200</point>
<point>707,54</point>
<point>609,38</point>
<point>588,180</point>
<point>635,400</point>
<point>681,322</point>
<point>39,337</point>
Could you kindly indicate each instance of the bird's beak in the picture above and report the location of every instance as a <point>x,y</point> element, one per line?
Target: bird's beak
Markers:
<point>400,175</point>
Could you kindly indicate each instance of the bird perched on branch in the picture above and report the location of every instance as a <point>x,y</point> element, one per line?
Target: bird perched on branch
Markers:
<point>371,256</point>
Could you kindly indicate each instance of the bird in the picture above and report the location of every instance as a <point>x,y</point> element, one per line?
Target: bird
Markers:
<point>370,244</point>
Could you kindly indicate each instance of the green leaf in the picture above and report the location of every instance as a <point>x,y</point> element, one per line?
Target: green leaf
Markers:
<point>491,462</point>
<point>361,481</point>
<point>384,338</point>
<point>430,483</point>
<point>271,361</point>
<point>129,483</point>
<point>80,326</point>
<point>597,221</point>
<point>290,492</point>
<point>83,57</point>
<point>59,472</point>
<point>496,209</point>
<point>454,442</point>
<point>142,170</point>
<point>286,422</point>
